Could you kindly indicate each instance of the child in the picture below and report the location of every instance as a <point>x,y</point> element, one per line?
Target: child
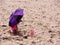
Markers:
<point>15,18</point>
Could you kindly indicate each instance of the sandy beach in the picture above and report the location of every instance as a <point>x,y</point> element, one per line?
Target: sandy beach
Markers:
<point>42,16</point>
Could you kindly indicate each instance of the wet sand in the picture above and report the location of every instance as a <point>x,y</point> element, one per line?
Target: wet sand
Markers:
<point>43,16</point>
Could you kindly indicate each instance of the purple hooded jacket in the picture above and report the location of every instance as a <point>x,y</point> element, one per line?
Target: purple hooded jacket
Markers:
<point>15,16</point>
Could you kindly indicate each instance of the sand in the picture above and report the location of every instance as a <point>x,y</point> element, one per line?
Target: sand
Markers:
<point>43,16</point>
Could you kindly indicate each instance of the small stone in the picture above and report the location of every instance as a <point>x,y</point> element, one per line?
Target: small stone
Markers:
<point>44,16</point>
<point>4,33</point>
<point>52,35</point>
<point>25,25</point>
<point>58,13</point>
<point>39,8</point>
<point>25,37</point>
<point>58,32</point>
<point>25,31</point>
<point>52,26</point>
<point>43,12</point>
<point>50,31</point>
<point>35,17</point>
<point>33,42</point>
<point>21,44</point>
<point>5,38</point>
<point>4,26</point>
<point>51,41</point>
<point>36,0</point>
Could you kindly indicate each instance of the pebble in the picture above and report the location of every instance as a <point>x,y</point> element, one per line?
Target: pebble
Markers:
<point>21,44</point>
<point>4,25</point>
<point>25,37</point>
